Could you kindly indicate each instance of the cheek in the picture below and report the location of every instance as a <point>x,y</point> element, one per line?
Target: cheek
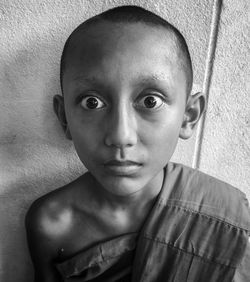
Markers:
<point>161,138</point>
<point>86,136</point>
<point>164,143</point>
<point>165,130</point>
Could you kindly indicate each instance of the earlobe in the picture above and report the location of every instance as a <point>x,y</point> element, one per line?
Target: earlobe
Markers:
<point>58,104</point>
<point>194,109</point>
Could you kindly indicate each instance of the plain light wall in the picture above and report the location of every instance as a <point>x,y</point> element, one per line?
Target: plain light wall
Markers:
<point>36,158</point>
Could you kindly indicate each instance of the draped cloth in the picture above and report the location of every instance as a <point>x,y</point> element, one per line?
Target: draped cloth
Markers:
<point>197,230</point>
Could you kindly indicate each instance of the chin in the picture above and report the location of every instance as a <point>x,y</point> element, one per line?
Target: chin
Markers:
<point>122,186</point>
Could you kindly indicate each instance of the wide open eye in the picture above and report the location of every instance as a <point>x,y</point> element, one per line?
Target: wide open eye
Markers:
<point>150,102</point>
<point>92,103</point>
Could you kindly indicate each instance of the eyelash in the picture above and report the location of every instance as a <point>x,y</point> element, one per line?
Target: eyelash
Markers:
<point>137,104</point>
<point>156,97</point>
<point>85,98</point>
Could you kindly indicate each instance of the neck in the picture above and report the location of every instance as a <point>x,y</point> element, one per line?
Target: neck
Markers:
<point>135,202</point>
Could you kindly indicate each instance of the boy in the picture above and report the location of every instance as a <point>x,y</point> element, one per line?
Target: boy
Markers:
<point>126,78</point>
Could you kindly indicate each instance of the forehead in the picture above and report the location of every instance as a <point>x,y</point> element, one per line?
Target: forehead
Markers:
<point>112,49</point>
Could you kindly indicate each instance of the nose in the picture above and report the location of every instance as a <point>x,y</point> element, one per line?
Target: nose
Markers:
<point>121,128</point>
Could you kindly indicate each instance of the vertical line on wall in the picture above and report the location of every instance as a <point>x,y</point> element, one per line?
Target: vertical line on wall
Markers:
<point>207,78</point>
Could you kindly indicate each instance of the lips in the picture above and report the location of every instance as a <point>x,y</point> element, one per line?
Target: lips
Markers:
<point>122,168</point>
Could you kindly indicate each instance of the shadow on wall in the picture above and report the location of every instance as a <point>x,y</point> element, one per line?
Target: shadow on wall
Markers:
<point>28,87</point>
<point>16,263</point>
<point>35,155</point>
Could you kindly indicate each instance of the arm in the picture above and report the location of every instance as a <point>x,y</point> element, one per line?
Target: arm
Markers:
<point>42,248</point>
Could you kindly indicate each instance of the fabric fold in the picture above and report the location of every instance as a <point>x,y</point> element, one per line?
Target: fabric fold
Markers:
<point>95,261</point>
<point>197,230</point>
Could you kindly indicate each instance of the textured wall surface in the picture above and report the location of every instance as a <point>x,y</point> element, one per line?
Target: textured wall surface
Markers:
<point>35,157</point>
<point>226,144</point>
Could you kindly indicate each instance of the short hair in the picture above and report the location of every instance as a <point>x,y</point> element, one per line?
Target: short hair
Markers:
<point>136,14</point>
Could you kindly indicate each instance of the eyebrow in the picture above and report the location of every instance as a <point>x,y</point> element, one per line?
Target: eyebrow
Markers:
<point>150,78</point>
<point>141,80</point>
<point>146,80</point>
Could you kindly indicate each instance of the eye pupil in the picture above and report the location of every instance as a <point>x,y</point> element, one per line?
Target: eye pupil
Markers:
<point>92,103</point>
<point>150,102</point>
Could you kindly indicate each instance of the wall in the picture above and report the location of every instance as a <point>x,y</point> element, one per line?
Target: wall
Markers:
<point>35,157</point>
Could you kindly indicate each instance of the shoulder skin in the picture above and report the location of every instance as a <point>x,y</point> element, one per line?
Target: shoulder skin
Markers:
<point>51,224</point>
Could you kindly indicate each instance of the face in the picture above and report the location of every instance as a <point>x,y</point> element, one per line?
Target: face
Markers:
<point>125,97</point>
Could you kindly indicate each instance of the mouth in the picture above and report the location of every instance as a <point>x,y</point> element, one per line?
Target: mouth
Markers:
<point>122,168</point>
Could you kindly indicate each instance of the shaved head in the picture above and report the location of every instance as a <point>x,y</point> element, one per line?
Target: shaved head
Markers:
<point>135,14</point>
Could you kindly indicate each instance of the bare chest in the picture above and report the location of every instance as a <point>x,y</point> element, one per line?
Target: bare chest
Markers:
<point>88,230</point>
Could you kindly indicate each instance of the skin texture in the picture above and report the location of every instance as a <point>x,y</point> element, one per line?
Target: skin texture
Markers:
<point>124,107</point>
<point>124,129</point>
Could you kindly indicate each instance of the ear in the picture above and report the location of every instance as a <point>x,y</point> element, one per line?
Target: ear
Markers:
<point>194,109</point>
<point>58,104</point>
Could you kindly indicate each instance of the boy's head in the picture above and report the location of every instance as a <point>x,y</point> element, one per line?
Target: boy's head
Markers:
<point>134,14</point>
<point>126,76</point>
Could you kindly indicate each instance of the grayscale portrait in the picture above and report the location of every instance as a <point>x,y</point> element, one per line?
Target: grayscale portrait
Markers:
<point>124,141</point>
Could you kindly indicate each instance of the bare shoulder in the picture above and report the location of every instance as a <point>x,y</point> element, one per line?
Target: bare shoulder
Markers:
<point>49,223</point>
<point>43,217</point>
<point>50,217</point>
